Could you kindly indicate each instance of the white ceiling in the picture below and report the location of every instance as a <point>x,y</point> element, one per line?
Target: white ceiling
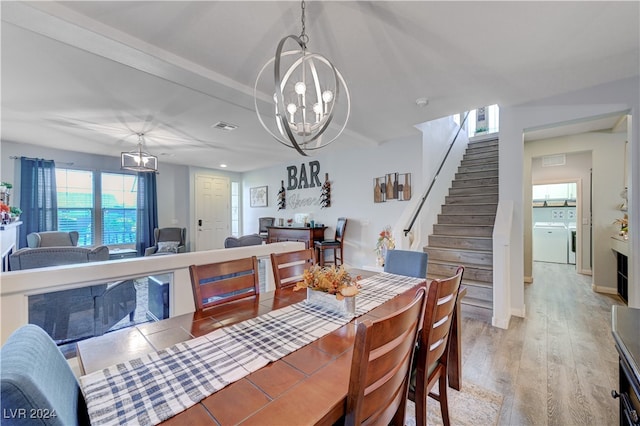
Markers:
<point>88,75</point>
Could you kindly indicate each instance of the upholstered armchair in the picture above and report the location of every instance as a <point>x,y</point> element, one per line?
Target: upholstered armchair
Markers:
<point>52,239</point>
<point>168,241</point>
<point>35,378</point>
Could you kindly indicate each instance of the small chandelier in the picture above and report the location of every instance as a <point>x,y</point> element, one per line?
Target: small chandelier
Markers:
<point>138,160</point>
<point>307,96</point>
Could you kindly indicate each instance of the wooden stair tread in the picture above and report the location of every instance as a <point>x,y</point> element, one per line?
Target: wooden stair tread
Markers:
<point>477,302</point>
<point>466,265</point>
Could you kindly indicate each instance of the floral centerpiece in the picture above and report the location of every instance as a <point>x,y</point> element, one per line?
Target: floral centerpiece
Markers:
<point>322,283</point>
<point>330,280</point>
<point>385,242</point>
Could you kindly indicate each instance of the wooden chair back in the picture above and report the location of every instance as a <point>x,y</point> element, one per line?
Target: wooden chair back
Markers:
<point>341,227</point>
<point>222,282</point>
<point>289,267</point>
<point>380,367</point>
<point>433,347</point>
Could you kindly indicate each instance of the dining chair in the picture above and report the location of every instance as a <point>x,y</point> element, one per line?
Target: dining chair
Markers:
<point>37,385</point>
<point>433,346</point>
<point>335,245</point>
<point>380,367</point>
<point>406,262</point>
<point>289,267</point>
<point>222,282</point>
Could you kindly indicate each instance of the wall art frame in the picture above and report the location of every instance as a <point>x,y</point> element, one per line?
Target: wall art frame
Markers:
<point>259,196</point>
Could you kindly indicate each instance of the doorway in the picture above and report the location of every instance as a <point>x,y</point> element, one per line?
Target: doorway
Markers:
<point>213,211</point>
<point>554,219</point>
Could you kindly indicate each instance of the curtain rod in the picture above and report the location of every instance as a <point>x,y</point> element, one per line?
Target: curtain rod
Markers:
<point>66,163</point>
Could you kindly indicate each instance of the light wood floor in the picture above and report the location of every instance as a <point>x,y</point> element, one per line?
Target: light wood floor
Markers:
<point>558,365</point>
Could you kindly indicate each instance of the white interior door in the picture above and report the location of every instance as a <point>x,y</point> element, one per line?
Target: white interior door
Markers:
<point>213,212</point>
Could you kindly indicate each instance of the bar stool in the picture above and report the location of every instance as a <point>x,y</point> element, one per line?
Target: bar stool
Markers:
<point>335,245</point>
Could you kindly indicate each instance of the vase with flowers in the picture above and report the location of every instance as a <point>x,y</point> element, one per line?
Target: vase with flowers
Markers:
<point>624,225</point>
<point>330,287</point>
<point>385,242</point>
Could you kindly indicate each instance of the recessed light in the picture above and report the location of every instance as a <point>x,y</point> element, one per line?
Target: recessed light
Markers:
<point>223,165</point>
<point>422,102</point>
<point>221,125</point>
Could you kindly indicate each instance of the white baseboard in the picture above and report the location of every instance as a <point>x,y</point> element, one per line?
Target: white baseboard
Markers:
<point>605,290</point>
<point>585,272</point>
<point>500,323</point>
<point>519,312</point>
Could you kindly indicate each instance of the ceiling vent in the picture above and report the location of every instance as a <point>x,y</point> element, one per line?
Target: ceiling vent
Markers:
<point>221,125</point>
<point>554,160</point>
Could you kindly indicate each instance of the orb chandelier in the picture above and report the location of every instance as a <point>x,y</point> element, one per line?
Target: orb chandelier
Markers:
<point>311,102</point>
<point>138,160</point>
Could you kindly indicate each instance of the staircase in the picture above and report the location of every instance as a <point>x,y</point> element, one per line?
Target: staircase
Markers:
<point>463,234</point>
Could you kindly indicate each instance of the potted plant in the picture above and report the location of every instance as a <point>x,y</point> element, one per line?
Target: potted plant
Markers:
<point>15,213</point>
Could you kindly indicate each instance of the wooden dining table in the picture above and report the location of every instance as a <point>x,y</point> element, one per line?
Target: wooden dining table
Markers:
<point>308,386</point>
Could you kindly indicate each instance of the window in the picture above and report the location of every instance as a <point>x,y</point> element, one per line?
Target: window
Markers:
<point>119,208</point>
<point>76,203</point>
<point>101,206</point>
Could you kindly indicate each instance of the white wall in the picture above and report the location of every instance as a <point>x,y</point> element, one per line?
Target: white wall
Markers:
<point>351,173</point>
<point>607,158</point>
<point>609,98</point>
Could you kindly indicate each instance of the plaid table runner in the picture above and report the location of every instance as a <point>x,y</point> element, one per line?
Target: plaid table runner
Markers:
<point>152,388</point>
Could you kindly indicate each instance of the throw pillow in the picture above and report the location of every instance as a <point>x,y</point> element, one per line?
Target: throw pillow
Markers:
<point>168,247</point>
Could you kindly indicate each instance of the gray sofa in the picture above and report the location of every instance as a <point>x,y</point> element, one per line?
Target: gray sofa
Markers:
<point>69,315</point>
<point>243,241</point>
<point>29,258</point>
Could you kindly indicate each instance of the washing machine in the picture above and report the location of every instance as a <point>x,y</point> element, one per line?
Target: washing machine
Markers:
<point>550,242</point>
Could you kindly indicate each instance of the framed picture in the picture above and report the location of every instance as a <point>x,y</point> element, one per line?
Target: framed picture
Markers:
<point>258,196</point>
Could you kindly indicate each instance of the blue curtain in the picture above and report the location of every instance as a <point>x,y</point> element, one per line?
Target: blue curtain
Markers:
<point>147,211</point>
<point>38,198</point>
